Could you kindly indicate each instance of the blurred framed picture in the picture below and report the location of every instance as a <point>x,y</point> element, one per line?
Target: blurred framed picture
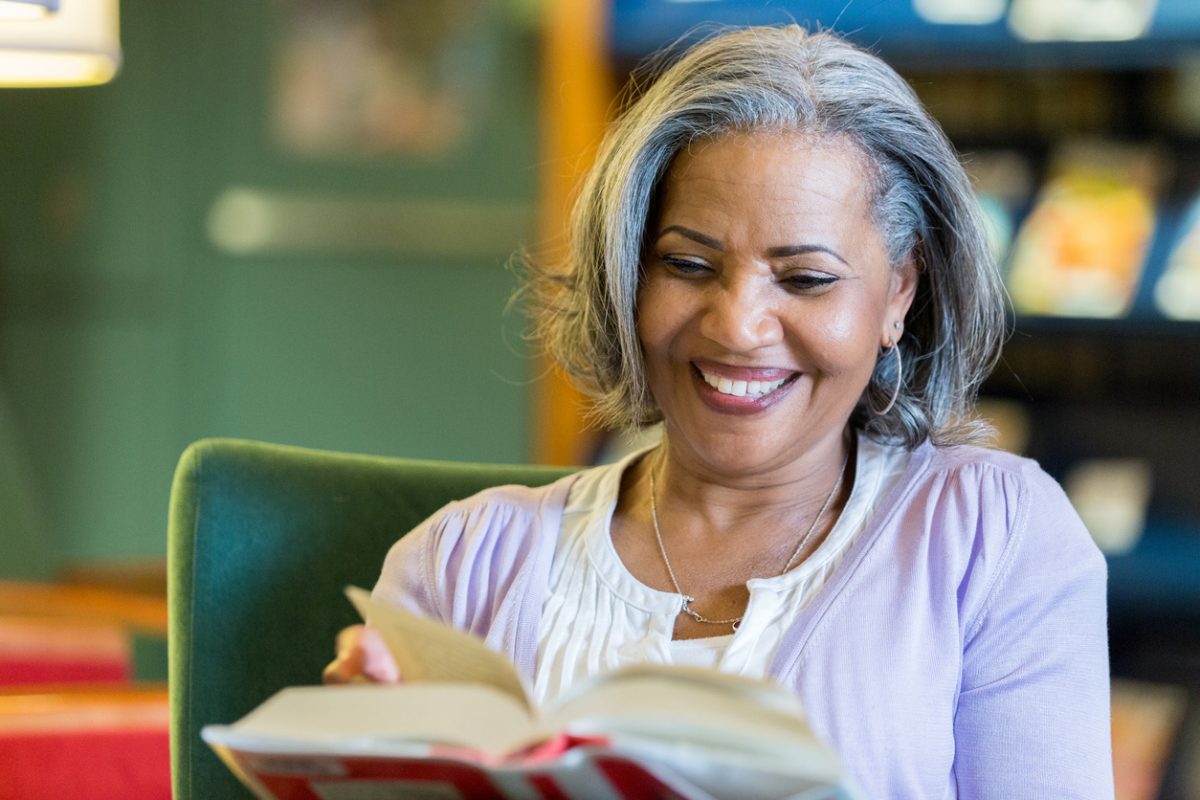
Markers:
<point>373,130</point>
<point>372,78</point>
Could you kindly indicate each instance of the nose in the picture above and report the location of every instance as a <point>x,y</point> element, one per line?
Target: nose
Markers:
<point>741,314</point>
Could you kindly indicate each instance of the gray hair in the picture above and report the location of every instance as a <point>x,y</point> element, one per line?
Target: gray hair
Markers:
<point>785,79</point>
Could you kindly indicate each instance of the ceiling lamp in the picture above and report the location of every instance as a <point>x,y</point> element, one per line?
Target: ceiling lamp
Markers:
<point>960,12</point>
<point>26,9</point>
<point>58,42</point>
<point>1080,20</point>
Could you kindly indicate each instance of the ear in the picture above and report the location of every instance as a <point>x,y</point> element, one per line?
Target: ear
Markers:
<point>901,292</point>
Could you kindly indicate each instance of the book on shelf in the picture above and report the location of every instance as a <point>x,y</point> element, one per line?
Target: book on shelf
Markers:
<point>462,724</point>
<point>1148,729</point>
<point>1177,293</point>
<point>1082,250</point>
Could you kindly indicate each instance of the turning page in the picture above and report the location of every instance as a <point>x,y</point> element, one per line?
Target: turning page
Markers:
<point>426,650</point>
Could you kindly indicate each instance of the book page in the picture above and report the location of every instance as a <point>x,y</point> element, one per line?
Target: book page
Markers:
<point>702,711</point>
<point>427,650</point>
<point>369,719</point>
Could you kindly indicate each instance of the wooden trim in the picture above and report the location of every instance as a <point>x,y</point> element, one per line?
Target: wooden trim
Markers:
<point>138,576</point>
<point>577,92</point>
<point>82,708</point>
<point>131,610</point>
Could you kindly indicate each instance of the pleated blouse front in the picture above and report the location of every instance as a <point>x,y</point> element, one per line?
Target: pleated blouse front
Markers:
<point>598,616</point>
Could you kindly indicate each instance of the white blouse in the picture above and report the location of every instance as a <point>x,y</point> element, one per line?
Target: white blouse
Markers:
<point>598,616</point>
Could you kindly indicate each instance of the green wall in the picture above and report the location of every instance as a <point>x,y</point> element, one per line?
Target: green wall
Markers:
<point>126,333</point>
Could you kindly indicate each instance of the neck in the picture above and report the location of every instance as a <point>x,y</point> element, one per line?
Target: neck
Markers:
<point>727,502</point>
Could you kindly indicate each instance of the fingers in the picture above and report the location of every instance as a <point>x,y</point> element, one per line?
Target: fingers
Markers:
<point>347,664</point>
<point>362,656</point>
<point>378,663</point>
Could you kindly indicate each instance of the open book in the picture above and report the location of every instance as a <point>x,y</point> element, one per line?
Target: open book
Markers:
<point>462,725</point>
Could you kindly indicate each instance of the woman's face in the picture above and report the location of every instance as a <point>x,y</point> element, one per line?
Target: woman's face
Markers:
<point>766,297</point>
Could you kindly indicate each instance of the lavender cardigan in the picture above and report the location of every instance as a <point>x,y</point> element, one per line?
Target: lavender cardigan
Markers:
<point>959,650</point>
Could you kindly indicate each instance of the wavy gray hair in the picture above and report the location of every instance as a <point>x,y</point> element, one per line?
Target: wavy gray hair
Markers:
<point>785,79</point>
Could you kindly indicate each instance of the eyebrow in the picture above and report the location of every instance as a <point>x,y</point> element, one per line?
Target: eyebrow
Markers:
<point>800,249</point>
<point>783,251</point>
<point>695,236</point>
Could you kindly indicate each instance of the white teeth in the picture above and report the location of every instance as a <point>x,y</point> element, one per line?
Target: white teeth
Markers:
<point>741,388</point>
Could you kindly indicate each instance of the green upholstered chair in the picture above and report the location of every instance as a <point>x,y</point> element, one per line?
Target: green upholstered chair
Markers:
<point>262,540</point>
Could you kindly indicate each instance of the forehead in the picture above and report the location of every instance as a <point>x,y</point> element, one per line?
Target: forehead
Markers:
<point>766,178</point>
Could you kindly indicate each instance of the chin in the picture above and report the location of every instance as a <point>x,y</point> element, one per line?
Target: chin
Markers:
<point>733,453</point>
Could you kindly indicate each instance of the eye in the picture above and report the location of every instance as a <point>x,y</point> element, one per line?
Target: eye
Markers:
<point>684,266</point>
<point>808,282</point>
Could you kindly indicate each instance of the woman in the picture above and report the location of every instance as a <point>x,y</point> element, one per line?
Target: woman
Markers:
<point>779,256</point>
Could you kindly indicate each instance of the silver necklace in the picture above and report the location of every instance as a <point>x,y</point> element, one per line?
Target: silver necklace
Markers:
<point>686,607</point>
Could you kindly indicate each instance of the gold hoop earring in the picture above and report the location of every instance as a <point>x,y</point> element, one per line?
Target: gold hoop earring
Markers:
<point>893,347</point>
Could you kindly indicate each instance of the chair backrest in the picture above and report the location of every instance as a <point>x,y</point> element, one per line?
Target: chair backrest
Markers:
<point>262,540</point>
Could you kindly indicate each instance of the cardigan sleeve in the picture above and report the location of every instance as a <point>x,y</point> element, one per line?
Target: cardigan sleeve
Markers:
<point>1033,707</point>
<point>481,565</point>
<point>405,577</point>
<point>459,565</point>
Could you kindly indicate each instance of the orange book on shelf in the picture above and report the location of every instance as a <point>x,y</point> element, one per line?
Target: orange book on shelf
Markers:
<point>1081,251</point>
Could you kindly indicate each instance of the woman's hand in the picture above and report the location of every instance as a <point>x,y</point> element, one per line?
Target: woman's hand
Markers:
<point>362,657</point>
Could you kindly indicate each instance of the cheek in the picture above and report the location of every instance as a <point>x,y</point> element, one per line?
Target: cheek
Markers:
<point>654,347</point>
<point>847,338</point>
<point>843,328</point>
<point>656,318</point>
<point>647,327</point>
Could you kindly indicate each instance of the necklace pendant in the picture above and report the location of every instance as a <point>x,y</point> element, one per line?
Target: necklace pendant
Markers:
<point>686,605</point>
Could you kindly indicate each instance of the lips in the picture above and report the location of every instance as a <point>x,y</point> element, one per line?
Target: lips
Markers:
<point>741,389</point>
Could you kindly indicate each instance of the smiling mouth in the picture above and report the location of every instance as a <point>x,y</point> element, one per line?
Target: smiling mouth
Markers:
<point>734,388</point>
